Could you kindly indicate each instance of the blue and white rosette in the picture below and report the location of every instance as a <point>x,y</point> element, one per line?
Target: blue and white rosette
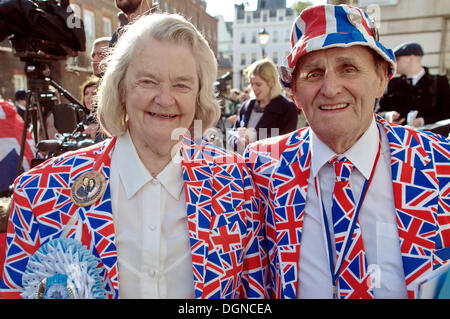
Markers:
<point>63,269</point>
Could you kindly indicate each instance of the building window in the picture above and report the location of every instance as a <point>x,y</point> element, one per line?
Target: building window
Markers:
<point>275,36</point>
<point>249,18</point>
<point>265,17</point>
<point>253,37</point>
<point>166,7</point>
<point>287,36</point>
<point>89,28</point>
<point>107,27</point>
<point>20,81</point>
<point>242,38</point>
<point>243,59</point>
<point>275,57</point>
<point>253,57</point>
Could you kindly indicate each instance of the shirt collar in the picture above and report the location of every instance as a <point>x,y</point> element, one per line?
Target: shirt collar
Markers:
<point>417,77</point>
<point>135,175</point>
<point>362,154</point>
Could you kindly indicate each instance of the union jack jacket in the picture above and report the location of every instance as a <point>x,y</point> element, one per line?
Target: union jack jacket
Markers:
<point>219,206</point>
<point>420,163</point>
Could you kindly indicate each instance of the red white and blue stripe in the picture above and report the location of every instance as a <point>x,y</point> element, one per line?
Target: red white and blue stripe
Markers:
<point>329,26</point>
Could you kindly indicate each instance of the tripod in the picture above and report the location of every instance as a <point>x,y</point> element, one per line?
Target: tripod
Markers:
<point>38,76</point>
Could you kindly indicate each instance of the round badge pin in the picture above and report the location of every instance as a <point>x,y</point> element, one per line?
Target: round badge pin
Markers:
<point>355,17</point>
<point>88,188</point>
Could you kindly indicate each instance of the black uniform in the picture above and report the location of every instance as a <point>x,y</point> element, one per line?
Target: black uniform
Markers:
<point>430,96</point>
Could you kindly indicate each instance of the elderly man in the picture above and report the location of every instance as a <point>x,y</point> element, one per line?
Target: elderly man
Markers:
<point>98,53</point>
<point>168,217</point>
<point>383,225</point>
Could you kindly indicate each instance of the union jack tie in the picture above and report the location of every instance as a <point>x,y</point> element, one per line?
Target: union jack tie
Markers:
<point>351,276</point>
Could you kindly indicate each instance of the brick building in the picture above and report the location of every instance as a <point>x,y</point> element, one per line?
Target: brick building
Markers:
<point>100,19</point>
<point>194,11</point>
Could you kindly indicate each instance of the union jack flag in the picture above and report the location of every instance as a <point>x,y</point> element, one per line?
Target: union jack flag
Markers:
<point>11,126</point>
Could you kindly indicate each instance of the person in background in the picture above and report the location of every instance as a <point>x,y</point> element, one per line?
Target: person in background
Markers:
<point>415,93</point>
<point>131,10</point>
<point>246,94</point>
<point>172,216</point>
<point>21,102</point>
<point>268,114</point>
<point>98,53</point>
<point>232,107</point>
<point>354,207</point>
<point>88,97</point>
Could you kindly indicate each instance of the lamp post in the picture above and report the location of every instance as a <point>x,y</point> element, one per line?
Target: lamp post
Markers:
<point>263,37</point>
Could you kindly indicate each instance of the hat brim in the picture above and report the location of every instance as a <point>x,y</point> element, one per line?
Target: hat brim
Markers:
<point>333,40</point>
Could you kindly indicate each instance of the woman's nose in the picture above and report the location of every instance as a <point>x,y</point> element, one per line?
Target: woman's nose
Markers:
<point>164,96</point>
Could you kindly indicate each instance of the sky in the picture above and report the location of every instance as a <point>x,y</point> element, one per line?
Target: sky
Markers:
<point>226,7</point>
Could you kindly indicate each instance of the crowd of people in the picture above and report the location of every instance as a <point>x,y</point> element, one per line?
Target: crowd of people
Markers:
<point>355,204</point>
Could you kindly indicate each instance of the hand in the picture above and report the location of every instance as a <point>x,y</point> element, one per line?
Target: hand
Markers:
<point>394,117</point>
<point>243,139</point>
<point>231,119</point>
<point>418,121</point>
<point>91,130</point>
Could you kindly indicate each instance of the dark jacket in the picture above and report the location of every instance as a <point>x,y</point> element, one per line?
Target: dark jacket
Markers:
<point>280,113</point>
<point>430,96</point>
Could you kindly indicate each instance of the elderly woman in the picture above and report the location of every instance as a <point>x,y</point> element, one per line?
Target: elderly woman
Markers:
<point>268,114</point>
<point>170,217</point>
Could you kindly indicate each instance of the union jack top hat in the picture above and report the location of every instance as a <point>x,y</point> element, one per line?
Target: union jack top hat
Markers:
<point>329,26</point>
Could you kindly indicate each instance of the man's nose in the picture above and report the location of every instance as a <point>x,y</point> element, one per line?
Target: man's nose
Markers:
<point>331,85</point>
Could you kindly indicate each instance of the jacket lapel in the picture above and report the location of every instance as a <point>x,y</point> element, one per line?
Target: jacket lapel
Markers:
<point>97,218</point>
<point>289,184</point>
<point>416,201</point>
<point>197,176</point>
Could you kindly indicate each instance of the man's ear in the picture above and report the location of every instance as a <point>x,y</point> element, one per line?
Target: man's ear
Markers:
<point>383,79</point>
<point>294,97</point>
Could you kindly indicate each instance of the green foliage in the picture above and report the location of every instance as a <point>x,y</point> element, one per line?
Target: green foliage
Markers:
<point>300,5</point>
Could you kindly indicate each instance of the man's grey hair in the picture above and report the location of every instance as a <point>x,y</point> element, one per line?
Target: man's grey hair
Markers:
<point>98,41</point>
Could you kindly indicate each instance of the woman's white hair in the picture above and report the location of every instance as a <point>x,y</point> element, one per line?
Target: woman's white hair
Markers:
<point>111,112</point>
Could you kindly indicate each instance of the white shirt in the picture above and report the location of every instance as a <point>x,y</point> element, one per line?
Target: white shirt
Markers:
<point>377,219</point>
<point>417,77</point>
<point>152,238</point>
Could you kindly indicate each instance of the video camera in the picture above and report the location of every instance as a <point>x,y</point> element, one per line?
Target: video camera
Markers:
<point>63,143</point>
<point>41,29</point>
<point>42,32</point>
<point>221,84</point>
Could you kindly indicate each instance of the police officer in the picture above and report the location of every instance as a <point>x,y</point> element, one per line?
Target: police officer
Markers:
<point>415,90</point>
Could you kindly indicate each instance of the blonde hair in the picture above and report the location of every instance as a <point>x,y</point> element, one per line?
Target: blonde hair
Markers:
<point>111,113</point>
<point>267,70</point>
<point>91,81</point>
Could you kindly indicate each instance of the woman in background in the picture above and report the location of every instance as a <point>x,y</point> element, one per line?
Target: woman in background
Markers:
<point>268,114</point>
<point>88,92</point>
